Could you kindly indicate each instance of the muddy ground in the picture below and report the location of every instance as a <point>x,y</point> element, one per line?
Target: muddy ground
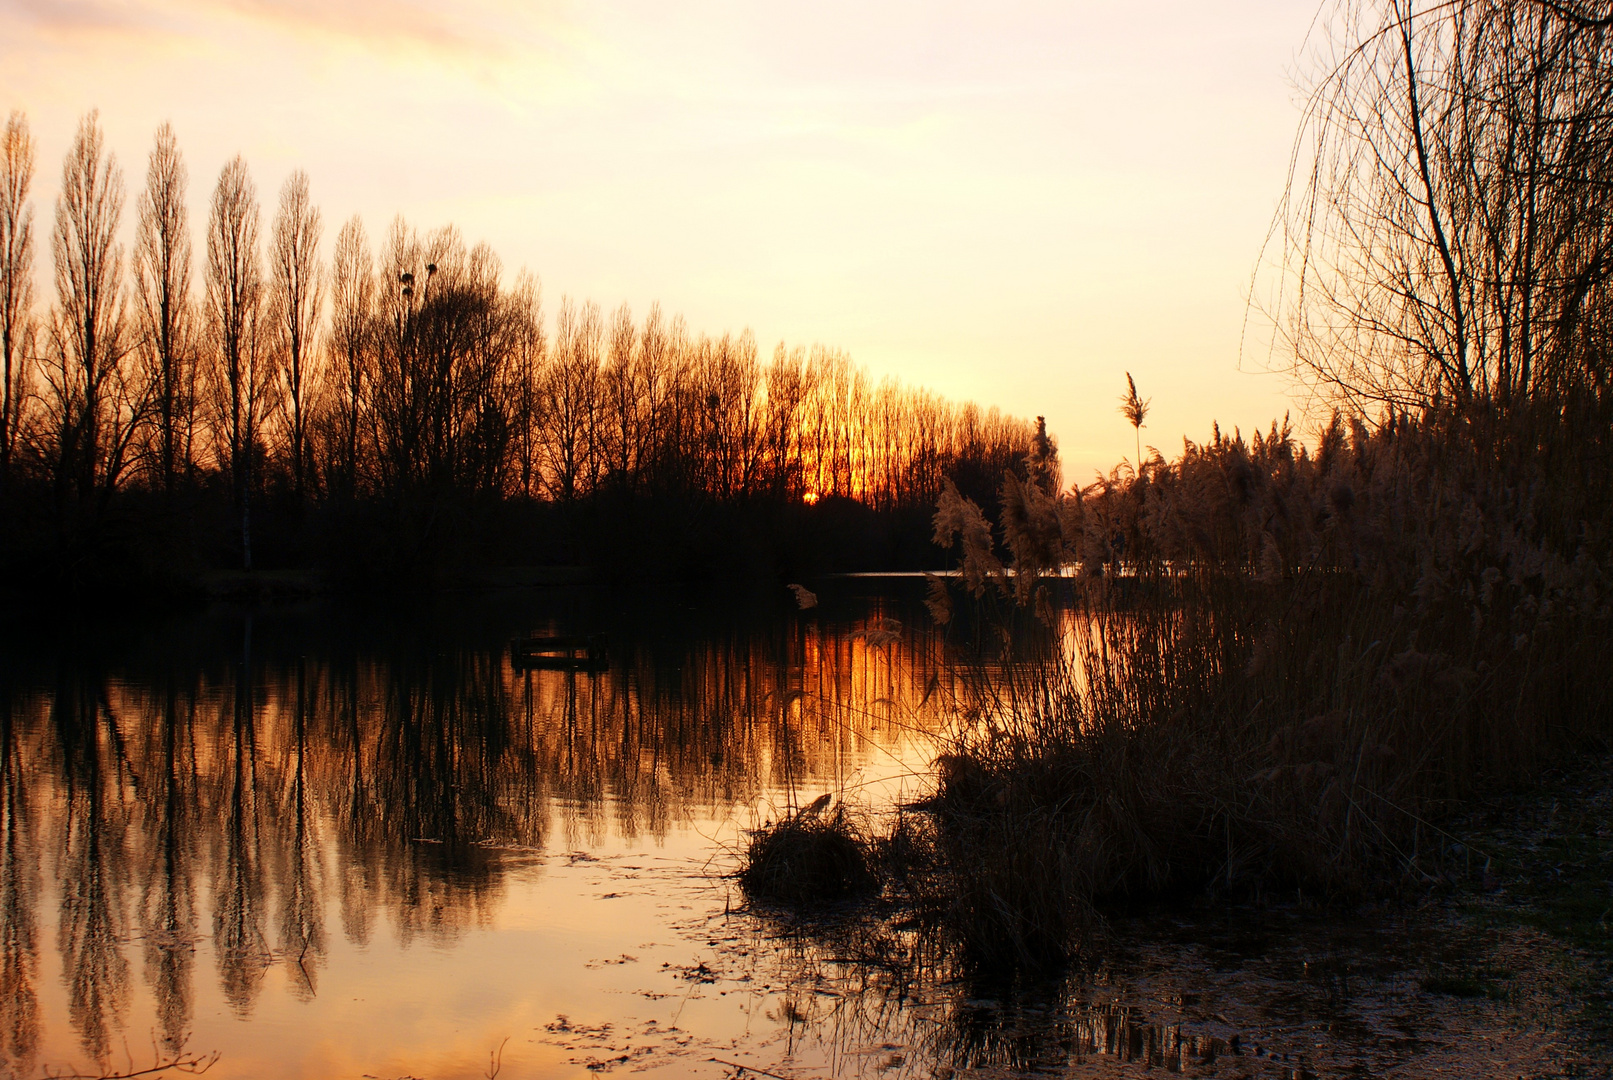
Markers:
<point>1497,962</point>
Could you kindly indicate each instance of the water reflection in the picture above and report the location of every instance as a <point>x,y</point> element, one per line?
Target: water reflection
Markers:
<point>19,890</point>
<point>231,790</point>
<point>237,832</point>
<point>1201,997</point>
<point>98,793</point>
<point>168,919</point>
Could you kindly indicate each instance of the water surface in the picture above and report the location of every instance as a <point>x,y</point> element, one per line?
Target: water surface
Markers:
<point>326,842</point>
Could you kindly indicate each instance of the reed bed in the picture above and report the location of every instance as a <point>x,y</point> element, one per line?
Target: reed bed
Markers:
<point>1276,668</point>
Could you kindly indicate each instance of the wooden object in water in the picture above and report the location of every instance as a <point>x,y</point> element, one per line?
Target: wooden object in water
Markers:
<point>566,651</point>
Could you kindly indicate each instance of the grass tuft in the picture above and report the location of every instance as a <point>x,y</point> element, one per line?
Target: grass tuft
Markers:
<point>809,858</point>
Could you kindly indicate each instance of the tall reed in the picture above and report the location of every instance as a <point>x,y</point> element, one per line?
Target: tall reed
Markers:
<point>1274,667</point>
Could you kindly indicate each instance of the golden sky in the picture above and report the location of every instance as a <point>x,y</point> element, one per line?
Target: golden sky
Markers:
<point>1014,202</point>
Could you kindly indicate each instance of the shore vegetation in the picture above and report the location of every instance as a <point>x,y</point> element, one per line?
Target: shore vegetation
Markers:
<point>1276,666</point>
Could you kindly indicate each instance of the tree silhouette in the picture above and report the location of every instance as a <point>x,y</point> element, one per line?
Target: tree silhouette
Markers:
<point>242,360</point>
<point>1445,234</point>
<point>162,288</point>
<point>16,282</point>
<point>297,289</point>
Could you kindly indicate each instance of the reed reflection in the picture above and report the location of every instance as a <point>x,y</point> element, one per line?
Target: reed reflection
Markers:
<point>255,801</point>
<point>873,998</point>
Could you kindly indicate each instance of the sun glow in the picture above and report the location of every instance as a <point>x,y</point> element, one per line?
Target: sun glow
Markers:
<point>989,205</point>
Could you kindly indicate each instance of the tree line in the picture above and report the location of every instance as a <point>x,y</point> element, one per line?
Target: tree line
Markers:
<point>405,373</point>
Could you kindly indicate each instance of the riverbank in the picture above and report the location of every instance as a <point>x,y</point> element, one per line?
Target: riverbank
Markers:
<point>1543,863</point>
<point>1502,966</point>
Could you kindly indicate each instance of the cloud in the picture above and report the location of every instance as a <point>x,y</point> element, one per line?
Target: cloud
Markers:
<point>79,17</point>
<point>488,31</point>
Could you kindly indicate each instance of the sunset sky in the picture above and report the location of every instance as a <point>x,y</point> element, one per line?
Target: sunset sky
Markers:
<point>1014,203</point>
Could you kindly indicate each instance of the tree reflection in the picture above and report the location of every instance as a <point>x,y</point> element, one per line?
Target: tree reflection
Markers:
<point>350,787</point>
<point>168,894</point>
<point>302,908</point>
<point>269,794</point>
<point>19,890</point>
<point>93,863</point>
<point>443,756</point>
<point>238,940</point>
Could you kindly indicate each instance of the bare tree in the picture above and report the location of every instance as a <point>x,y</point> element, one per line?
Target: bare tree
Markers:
<point>660,377</point>
<point>162,286</point>
<point>527,380</point>
<point>572,395</point>
<point>1446,234</point>
<point>298,291</point>
<point>787,390</point>
<point>352,309</point>
<point>622,398</point>
<point>445,395</point>
<point>242,365</point>
<point>400,391</point>
<point>730,379</point>
<point>96,405</point>
<point>16,281</point>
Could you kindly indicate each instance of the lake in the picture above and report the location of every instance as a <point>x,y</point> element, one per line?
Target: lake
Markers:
<point>328,841</point>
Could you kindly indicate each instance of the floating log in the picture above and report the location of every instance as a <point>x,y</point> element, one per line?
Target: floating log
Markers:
<point>567,651</point>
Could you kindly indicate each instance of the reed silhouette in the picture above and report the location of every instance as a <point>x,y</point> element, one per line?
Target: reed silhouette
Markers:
<point>1268,666</point>
<point>1274,666</point>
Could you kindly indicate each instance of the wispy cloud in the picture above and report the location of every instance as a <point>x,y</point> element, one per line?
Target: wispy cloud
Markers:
<point>491,30</point>
<point>78,17</point>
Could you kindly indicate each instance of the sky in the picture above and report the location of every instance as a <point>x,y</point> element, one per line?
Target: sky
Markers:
<point>1015,203</point>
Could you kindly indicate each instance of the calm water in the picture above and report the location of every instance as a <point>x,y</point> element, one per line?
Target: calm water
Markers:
<point>329,844</point>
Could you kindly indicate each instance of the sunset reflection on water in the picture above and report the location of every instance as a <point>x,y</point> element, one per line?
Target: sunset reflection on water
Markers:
<point>324,842</point>
<point>324,847</point>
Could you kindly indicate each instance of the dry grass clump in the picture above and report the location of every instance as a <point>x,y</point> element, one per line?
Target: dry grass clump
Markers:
<point>1033,843</point>
<point>1279,668</point>
<point>809,858</point>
